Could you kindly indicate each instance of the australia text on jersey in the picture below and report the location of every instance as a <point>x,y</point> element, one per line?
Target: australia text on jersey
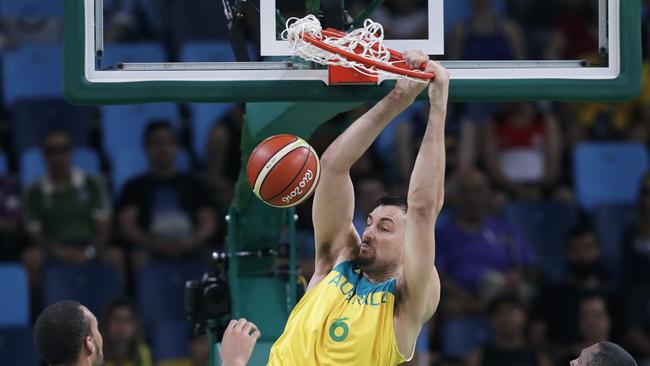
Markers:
<point>377,297</point>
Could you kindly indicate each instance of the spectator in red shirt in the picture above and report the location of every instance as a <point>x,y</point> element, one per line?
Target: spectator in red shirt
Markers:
<point>523,150</point>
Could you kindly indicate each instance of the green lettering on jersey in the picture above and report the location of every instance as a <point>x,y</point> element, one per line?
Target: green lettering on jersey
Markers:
<point>339,330</point>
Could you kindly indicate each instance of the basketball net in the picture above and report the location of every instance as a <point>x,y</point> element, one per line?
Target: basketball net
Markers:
<point>362,49</point>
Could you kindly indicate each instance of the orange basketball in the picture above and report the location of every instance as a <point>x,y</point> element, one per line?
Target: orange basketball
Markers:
<point>283,170</point>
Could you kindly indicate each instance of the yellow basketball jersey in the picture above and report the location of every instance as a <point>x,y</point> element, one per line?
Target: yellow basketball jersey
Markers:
<point>344,320</point>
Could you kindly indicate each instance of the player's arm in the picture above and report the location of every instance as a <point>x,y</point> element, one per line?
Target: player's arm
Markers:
<point>421,286</point>
<point>333,207</point>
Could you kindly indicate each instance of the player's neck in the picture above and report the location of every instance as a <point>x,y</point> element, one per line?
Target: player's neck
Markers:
<point>379,275</point>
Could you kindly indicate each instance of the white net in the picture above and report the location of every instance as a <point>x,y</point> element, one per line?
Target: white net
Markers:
<point>366,42</point>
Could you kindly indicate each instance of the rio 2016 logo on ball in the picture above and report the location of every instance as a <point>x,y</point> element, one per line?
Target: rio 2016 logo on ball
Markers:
<point>283,171</point>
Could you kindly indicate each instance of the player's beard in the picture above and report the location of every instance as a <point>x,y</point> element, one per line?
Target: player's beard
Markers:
<point>365,259</point>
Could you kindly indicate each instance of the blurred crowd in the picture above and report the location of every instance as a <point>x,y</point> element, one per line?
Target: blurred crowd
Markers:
<point>532,272</point>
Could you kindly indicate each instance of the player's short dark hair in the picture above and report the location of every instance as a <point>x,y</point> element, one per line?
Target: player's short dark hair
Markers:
<point>398,201</point>
<point>507,298</point>
<point>611,354</point>
<point>60,331</point>
<point>155,126</point>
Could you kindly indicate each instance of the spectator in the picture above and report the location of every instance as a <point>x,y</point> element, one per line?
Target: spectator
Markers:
<point>223,165</point>
<point>639,130</point>
<point>523,150</point>
<point>486,36</point>
<point>10,213</point>
<point>478,254</point>
<point>30,28</point>
<point>509,346</point>
<point>594,325</point>
<point>460,140</point>
<point>403,19</point>
<point>636,264</point>
<point>557,308</point>
<point>600,121</point>
<point>636,244</point>
<point>575,34</point>
<point>67,213</point>
<point>169,22</point>
<point>165,214</point>
<point>199,353</point>
<point>123,339</point>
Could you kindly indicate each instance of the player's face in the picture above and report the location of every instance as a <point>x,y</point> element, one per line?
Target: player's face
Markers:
<point>382,242</point>
<point>96,339</point>
<point>586,355</point>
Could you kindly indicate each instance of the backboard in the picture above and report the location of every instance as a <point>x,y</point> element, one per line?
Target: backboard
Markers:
<point>488,59</point>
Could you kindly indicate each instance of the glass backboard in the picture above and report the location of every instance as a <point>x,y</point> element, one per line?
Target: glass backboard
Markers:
<point>495,50</point>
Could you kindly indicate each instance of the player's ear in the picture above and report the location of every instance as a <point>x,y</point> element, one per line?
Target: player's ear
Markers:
<point>90,345</point>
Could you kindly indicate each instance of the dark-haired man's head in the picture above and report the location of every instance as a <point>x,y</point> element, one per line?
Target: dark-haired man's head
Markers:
<point>382,241</point>
<point>593,319</point>
<point>121,328</point>
<point>508,317</point>
<point>471,195</point>
<point>583,254</point>
<point>604,354</point>
<point>161,145</point>
<point>57,150</point>
<point>66,334</point>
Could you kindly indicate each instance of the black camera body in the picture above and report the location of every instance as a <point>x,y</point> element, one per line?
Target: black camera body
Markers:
<point>209,298</point>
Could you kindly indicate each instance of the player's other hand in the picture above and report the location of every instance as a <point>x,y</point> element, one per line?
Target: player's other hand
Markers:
<point>238,342</point>
<point>439,87</point>
<point>410,89</point>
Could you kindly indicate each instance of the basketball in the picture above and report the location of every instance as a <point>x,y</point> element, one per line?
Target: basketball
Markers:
<point>283,171</point>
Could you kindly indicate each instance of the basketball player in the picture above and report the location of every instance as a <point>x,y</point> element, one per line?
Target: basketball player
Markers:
<point>604,354</point>
<point>66,334</point>
<point>370,295</point>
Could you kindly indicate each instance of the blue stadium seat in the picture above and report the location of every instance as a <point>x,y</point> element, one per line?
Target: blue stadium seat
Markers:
<point>160,289</point>
<point>607,173</point>
<point>17,347</point>
<point>30,8</point>
<point>545,225</point>
<point>115,53</point>
<point>169,340</point>
<point>210,51</point>
<point>14,307</point>
<point>33,118</point>
<point>32,71</point>
<point>204,117</point>
<point>123,126</point>
<point>611,223</point>
<point>129,163</point>
<point>32,164</point>
<point>93,285</point>
<point>4,163</point>
<point>460,336</point>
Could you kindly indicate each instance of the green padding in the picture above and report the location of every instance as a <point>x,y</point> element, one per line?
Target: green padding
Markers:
<point>77,89</point>
<point>264,302</point>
